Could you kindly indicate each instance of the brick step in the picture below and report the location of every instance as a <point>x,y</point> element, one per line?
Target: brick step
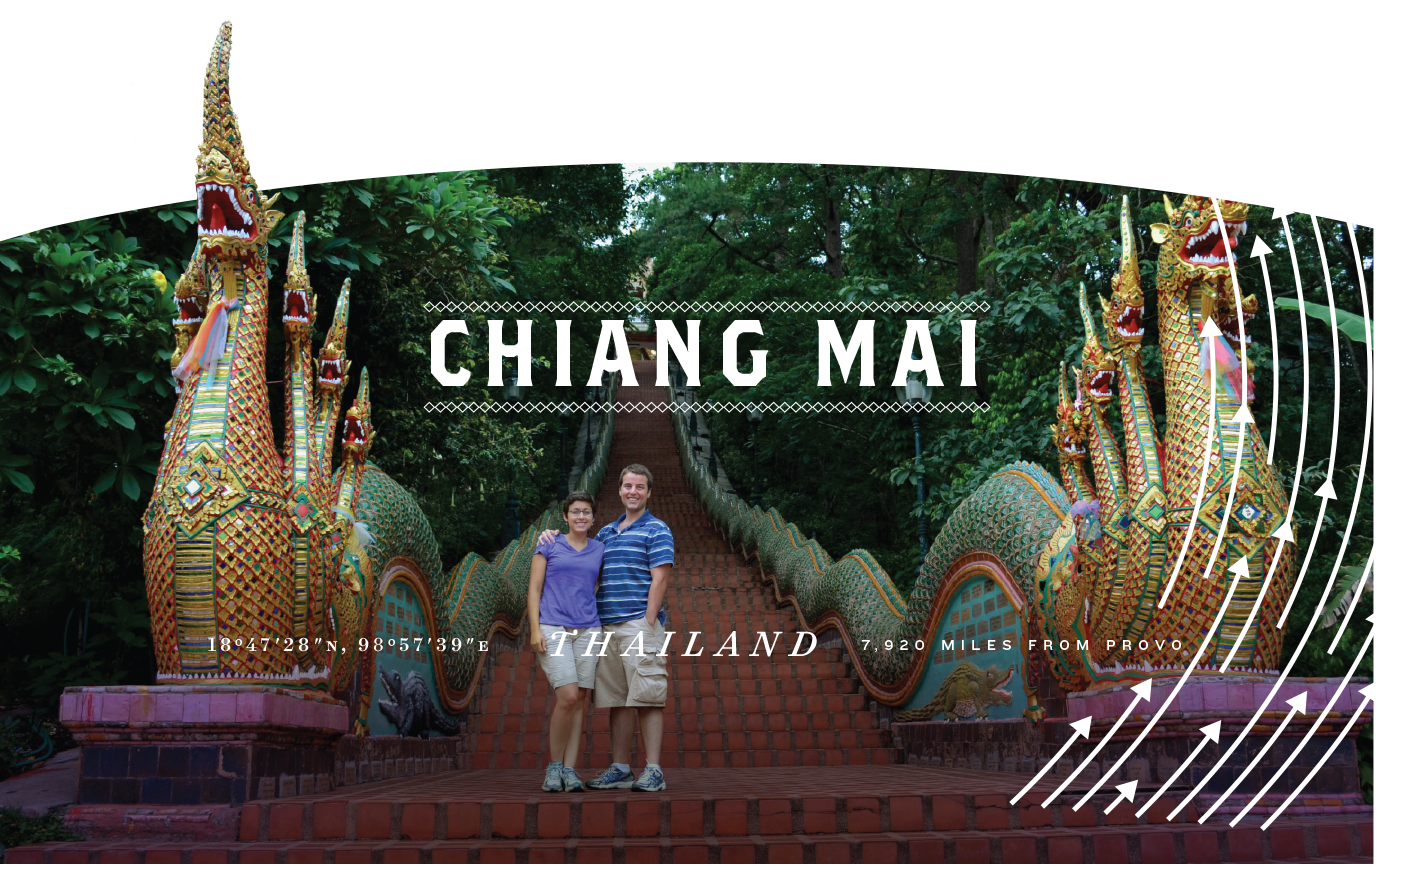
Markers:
<point>1170,843</point>
<point>607,814</point>
<point>724,758</point>
<point>704,555</point>
<point>702,596</point>
<point>523,688</point>
<point>822,739</point>
<point>834,703</point>
<point>682,723</point>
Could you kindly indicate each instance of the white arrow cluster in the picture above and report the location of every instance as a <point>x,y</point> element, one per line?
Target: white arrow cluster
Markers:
<point>1326,492</point>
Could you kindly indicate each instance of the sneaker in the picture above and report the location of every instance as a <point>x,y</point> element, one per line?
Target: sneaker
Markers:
<point>612,779</point>
<point>571,781</point>
<point>651,781</point>
<point>553,779</point>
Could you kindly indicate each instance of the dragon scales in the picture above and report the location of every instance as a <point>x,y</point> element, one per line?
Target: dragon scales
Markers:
<point>268,566</point>
<point>1107,590</point>
<point>1084,564</point>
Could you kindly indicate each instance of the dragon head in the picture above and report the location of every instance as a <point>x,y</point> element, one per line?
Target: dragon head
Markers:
<point>232,215</point>
<point>191,295</point>
<point>333,366</point>
<point>299,303</point>
<point>1124,313</point>
<point>1225,314</point>
<point>1194,245</point>
<point>1070,432</point>
<point>357,432</point>
<point>1098,365</point>
<point>330,370</point>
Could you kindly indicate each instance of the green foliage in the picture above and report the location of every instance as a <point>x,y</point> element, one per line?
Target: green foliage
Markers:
<point>1350,324</point>
<point>85,385</point>
<point>753,232</point>
<point>18,829</point>
<point>8,555</point>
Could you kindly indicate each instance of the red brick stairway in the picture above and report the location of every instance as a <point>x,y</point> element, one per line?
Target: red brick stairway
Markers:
<point>723,711</point>
<point>832,792</point>
<point>853,814</point>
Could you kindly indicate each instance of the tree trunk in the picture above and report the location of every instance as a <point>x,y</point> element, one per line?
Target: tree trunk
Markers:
<point>967,234</point>
<point>833,235</point>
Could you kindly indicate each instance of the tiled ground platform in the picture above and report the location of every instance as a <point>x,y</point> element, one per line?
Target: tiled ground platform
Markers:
<point>883,814</point>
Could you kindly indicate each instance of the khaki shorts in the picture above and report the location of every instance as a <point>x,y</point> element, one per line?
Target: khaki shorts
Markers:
<point>626,677</point>
<point>568,662</point>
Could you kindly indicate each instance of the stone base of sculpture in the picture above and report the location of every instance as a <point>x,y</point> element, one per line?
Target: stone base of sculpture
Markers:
<point>176,762</point>
<point>1025,747</point>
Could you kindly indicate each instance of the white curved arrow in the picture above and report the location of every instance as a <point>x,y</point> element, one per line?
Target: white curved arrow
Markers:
<point>1142,690</point>
<point>1327,492</point>
<point>1261,251</point>
<point>1316,724</point>
<point>1211,733</point>
<point>1240,571</point>
<point>1128,793</point>
<point>1243,417</point>
<point>1210,330</point>
<point>1324,83</point>
<point>1297,705</point>
<point>1345,620</point>
<point>1369,411</point>
<point>1366,696</point>
<point>1081,729</point>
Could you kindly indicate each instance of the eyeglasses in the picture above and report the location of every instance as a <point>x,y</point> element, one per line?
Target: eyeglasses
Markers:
<point>581,513</point>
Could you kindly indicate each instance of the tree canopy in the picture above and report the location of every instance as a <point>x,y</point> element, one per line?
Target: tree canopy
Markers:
<point>85,385</point>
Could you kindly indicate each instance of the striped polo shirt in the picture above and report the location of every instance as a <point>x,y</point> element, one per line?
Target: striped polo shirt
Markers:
<point>629,555</point>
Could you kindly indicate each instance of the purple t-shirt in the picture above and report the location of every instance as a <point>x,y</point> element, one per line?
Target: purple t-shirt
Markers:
<point>568,594</point>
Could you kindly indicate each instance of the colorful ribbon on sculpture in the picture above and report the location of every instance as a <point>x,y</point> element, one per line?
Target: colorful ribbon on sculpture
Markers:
<point>1228,370</point>
<point>209,343</point>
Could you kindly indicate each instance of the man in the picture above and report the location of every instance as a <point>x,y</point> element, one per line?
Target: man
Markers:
<point>631,677</point>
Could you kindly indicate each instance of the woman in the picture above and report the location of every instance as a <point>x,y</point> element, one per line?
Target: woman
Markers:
<point>564,621</point>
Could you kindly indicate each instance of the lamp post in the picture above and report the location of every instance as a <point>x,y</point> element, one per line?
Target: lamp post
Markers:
<point>591,396</point>
<point>753,416</point>
<point>512,518</point>
<point>563,488</point>
<point>692,416</point>
<point>917,391</point>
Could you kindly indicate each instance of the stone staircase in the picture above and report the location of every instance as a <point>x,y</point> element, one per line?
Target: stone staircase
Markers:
<point>852,814</point>
<point>722,711</point>
<point>822,779</point>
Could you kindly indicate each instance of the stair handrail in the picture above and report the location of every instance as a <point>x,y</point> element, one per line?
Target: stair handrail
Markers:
<point>889,638</point>
<point>803,574</point>
<point>493,596</point>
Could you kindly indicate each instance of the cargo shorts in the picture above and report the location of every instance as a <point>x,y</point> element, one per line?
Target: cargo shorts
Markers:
<point>631,672</point>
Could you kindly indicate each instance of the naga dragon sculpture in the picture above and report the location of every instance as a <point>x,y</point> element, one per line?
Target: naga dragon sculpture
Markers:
<point>1086,564</point>
<point>268,566</point>
<point>1144,593</point>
